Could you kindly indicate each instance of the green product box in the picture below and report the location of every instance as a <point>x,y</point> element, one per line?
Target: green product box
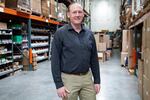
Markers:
<point>17,38</point>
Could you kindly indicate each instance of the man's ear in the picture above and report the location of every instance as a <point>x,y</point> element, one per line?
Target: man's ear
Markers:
<point>68,15</point>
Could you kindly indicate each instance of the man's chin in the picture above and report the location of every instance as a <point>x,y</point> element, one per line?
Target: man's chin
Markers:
<point>78,23</point>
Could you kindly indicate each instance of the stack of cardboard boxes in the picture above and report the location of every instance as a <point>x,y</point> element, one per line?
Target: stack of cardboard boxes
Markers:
<point>21,5</point>
<point>130,49</point>
<point>144,63</point>
<point>62,12</point>
<point>45,7</point>
<point>25,61</point>
<point>124,53</point>
<point>34,61</point>
<point>36,7</point>
<point>104,45</point>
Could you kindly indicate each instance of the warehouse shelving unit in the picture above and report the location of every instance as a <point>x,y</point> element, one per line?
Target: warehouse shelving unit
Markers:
<point>40,37</point>
<point>17,44</point>
<point>139,28</point>
<point>29,39</point>
<point>6,51</point>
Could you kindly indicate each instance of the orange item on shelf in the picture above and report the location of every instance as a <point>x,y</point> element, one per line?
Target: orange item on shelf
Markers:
<point>30,55</point>
<point>133,59</point>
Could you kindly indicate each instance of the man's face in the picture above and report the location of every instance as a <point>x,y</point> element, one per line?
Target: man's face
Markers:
<point>76,14</point>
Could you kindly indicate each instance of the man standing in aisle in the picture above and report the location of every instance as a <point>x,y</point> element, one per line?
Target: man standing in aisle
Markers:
<point>74,59</point>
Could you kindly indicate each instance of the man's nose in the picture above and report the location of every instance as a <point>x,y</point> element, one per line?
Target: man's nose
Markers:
<point>77,14</point>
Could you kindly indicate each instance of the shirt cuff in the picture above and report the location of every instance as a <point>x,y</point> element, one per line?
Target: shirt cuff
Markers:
<point>59,85</point>
<point>97,82</point>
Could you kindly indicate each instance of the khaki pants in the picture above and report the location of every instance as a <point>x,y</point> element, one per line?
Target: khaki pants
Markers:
<point>79,86</point>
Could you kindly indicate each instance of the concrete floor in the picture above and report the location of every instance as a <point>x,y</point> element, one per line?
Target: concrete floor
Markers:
<point>116,84</point>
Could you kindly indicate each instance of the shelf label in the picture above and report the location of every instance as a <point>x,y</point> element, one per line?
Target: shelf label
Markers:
<point>1,9</point>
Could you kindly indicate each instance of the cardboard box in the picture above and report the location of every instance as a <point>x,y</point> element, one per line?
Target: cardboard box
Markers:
<point>125,41</point>
<point>144,30</point>
<point>34,64</point>
<point>140,89</point>
<point>53,10</point>
<point>62,12</point>
<point>35,68</point>
<point>124,56</point>
<point>130,42</point>
<point>34,59</point>
<point>101,38</point>
<point>96,38</point>
<point>45,5</point>
<point>97,46</point>
<point>3,25</point>
<point>52,1</point>
<point>2,3</point>
<point>130,48</point>
<point>102,46</point>
<point>146,88</point>
<point>148,33</point>
<point>109,53</point>
<point>102,56</point>
<point>34,55</point>
<point>144,38</point>
<point>36,6</point>
<point>25,60</point>
<point>109,44</point>
<point>140,69</point>
<point>129,61</point>
<point>147,63</point>
<point>106,38</point>
<point>21,4</point>
<point>146,83</point>
<point>26,67</point>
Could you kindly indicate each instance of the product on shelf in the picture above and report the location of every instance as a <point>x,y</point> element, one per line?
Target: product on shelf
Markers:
<point>22,5</point>
<point>25,60</point>
<point>5,51</point>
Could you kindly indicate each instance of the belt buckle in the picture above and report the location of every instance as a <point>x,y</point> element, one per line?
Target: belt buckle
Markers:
<point>81,74</point>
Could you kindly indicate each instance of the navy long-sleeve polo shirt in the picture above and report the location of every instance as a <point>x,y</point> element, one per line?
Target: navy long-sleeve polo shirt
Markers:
<point>73,53</point>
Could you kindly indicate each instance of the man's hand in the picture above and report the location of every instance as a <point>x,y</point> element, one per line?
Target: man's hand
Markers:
<point>97,88</point>
<point>62,92</point>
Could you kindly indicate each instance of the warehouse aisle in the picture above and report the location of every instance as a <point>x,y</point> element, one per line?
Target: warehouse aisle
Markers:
<point>117,84</point>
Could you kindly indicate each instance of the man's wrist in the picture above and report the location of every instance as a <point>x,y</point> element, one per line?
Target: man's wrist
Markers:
<point>59,85</point>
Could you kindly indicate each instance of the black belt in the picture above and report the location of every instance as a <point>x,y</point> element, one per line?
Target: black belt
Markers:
<point>84,73</point>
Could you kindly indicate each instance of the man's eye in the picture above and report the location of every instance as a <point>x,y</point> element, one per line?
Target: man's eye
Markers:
<point>74,12</point>
<point>80,12</point>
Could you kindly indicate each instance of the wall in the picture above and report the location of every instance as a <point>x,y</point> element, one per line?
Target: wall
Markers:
<point>105,14</point>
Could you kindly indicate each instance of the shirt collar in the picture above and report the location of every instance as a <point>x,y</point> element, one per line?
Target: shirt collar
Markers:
<point>71,28</point>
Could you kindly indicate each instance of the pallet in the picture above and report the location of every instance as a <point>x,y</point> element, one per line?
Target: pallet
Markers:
<point>24,10</point>
<point>36,13</point>
<point>102,56</point>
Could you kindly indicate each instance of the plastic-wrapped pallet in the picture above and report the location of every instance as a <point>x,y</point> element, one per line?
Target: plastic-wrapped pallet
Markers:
<point>45,5</point>
<point>36,7</point>
<point>23,5</point>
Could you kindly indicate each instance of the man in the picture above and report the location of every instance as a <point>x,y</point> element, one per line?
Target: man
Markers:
<point>74,57</point>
